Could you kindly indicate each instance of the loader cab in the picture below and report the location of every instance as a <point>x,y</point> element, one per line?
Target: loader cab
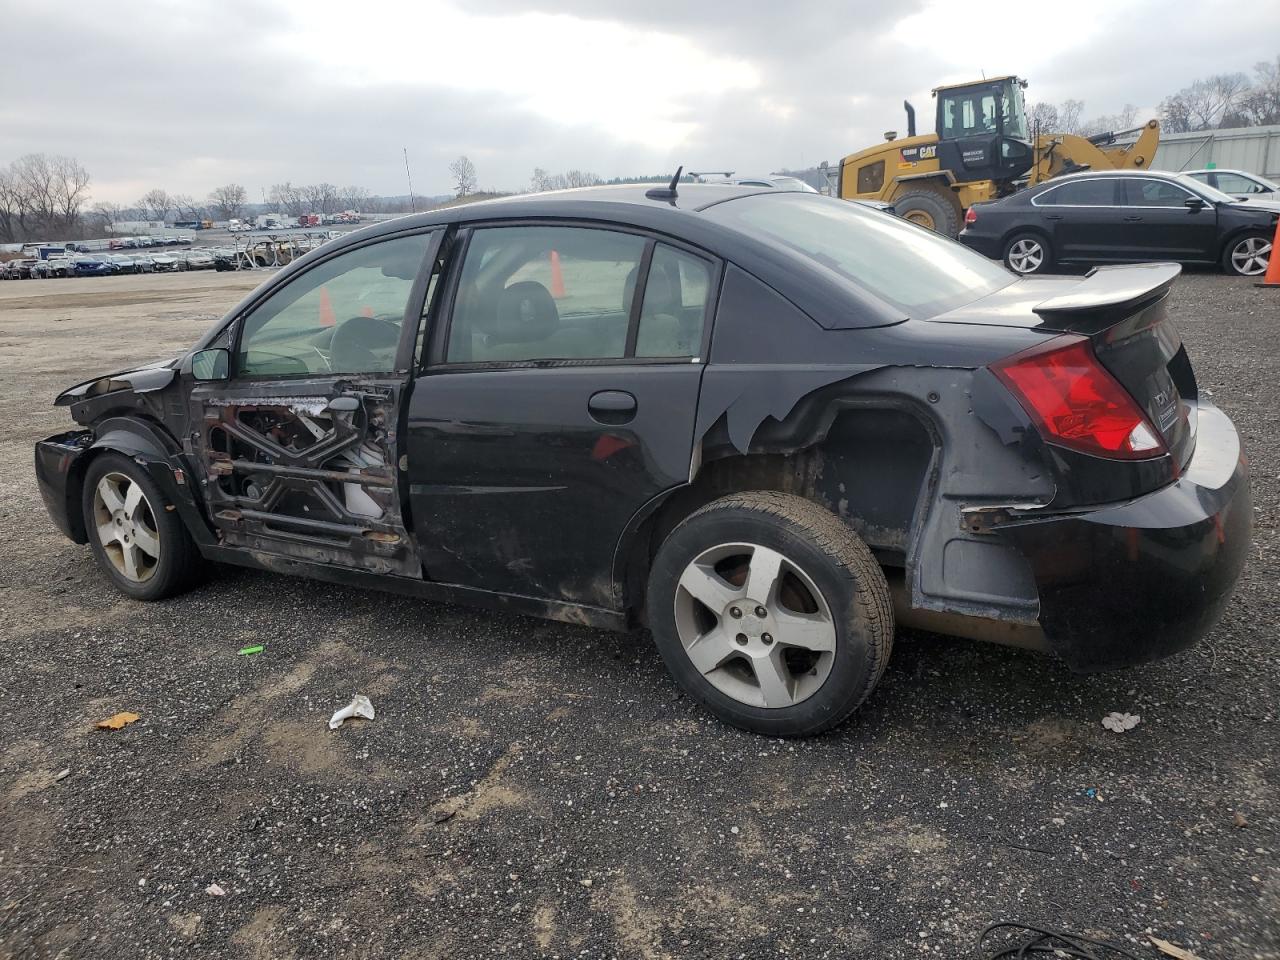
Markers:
<point>982,130</point>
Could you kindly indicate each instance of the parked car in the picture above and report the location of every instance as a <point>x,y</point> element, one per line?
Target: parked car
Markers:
<point>775,181</point>
<point>1237,183</point>
<point>198,260</point>
<point>23,269</point>
<point>60,267</point>
<point>143,263</point>
<point>736,415</point>
<point>93,267</point>
<point>123,264</point>
<point>1123,217</point>
<point>164,263</point>
<point>40,270</point>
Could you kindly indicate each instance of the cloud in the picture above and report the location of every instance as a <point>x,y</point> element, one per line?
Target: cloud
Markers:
<point>189,96</point>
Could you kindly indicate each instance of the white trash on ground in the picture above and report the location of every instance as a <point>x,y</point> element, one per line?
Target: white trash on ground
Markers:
<point>1120,722</point>
<point>360,706</point>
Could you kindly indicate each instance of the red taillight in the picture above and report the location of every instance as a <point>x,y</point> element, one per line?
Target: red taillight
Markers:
<point>1076,403</point>
<point>970,216</point>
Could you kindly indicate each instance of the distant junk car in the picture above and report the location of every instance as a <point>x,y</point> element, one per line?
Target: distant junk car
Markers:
<point>753,420</point>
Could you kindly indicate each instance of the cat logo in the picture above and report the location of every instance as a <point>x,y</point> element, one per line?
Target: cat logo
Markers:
<point>928,152</point>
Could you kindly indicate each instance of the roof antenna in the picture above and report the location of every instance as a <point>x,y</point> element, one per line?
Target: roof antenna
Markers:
<point>669,191</point>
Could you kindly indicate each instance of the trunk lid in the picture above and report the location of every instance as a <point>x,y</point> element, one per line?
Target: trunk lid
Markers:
<point>1123,310</point>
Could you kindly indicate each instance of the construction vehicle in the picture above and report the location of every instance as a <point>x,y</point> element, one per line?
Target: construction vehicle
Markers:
<point>981,149</point>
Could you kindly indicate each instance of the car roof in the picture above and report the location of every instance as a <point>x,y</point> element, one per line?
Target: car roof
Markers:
<point>1243,173</point>
<point>814,289</point>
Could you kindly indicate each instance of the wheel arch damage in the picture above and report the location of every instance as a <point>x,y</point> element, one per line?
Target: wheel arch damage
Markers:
<point>890,449</point>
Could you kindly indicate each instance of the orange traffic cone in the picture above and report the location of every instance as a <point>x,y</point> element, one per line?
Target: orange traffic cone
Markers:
<point>557,276</point>
<point>1272,279</point>
<point>327,319</point>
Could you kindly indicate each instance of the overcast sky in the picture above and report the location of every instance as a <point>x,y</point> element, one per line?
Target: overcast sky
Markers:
<point>190,95</point>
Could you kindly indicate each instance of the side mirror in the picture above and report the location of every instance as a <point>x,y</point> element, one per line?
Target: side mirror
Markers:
<point>1194,204</point>
<point>214,364</point>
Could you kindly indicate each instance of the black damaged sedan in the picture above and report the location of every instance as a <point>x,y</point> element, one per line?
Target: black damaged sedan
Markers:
<point>764,424</point>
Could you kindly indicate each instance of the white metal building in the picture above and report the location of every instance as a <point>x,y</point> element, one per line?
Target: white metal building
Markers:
<point>1252,149</point>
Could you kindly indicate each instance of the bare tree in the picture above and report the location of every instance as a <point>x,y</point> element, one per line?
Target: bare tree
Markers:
<point>1043,117</point>
<point>187,207</point>
<point>1261,104</point>
<point>288,199</point>
<point>1175,114</point>
<point>156,204</point>
<point>42,193</point>
<point>1069,116</point>
<point>228,201</point>
<point>107,215</point>
<point>463,172</point>
<point>540,181</point>
<point>354,198</point>
<point>1207,103</point>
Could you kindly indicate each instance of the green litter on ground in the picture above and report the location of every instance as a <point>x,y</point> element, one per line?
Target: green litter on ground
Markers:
<point>250,651</point>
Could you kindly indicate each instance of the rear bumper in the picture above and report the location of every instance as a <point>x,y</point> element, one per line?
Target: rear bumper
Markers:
<point>1140,580</point>
<point>58,474</point>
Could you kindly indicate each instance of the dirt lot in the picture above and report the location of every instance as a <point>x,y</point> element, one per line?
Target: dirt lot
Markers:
<point>531,789</point>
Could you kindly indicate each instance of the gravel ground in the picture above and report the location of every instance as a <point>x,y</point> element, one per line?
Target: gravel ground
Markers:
<point>532,789</point>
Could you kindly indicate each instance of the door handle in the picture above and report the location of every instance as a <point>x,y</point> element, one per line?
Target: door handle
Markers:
<point>612,406</point>
<point>1053,216</point>
<point>1132,219</point>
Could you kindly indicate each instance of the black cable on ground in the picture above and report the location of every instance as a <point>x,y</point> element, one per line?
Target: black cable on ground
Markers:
<point>1042,942</point>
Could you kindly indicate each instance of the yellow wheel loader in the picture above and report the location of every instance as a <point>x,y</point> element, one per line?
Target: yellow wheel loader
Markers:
<point>981,149</point>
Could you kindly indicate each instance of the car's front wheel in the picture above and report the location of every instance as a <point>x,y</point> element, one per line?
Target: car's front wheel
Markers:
<point>1028,253</point>
<point>770,611</point>
<point>136,536</point>
<point>1247,256</point>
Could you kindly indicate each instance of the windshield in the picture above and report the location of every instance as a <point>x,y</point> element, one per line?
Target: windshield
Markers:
<point>906,266</point>
<point>1204,190</point>
<point>792,183</point>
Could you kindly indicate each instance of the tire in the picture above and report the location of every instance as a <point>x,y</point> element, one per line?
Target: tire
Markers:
<point>930,209</point>
<point>1028,253</point>
<point>169,567</point>
<point>1247,255</point>
<point>820,591</point>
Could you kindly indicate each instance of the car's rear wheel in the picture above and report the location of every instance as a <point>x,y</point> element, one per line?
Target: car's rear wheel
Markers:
<point>1247,256</point>
<point>1028,253</point>
<point>770,611</point>
<point>136,536</point>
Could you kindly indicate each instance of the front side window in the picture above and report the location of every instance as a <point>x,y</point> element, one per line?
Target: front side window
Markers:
<point>544,293</point>
<point>1156,193</point>
<point>1233,183</point>
<point>341,317</point>
<point>1079,193</point>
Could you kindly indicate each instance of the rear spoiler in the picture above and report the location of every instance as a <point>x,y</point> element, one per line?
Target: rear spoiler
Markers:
<point>1108,295</point>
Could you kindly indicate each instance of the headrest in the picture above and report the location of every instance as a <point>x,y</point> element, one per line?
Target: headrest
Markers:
<point>526,312</point>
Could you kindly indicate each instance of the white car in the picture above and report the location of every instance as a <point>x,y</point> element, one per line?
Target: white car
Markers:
<point>1238,183</point>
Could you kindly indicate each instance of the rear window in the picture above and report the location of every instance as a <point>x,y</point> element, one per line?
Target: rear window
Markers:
<point>906,266</point>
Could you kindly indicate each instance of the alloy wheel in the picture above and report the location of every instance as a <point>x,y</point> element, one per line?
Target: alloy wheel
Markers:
<point>1026,256</point>
<point>1250,256</point>
<point>755,625</point>
<point>126,527</point>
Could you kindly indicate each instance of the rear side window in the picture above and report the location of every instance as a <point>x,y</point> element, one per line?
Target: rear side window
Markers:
<point>544,293</point>
<point>904,265</point>
<point>1080,193</point>
<point>675,304</point>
